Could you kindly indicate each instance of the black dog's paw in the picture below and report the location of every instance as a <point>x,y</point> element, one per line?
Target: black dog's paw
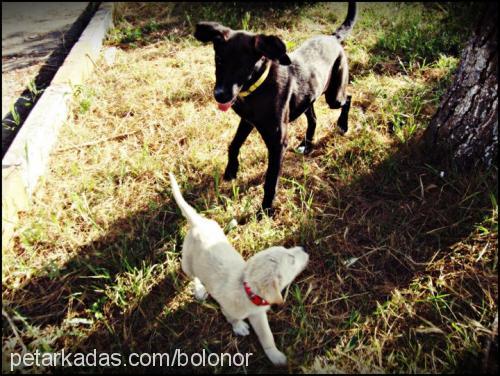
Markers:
<point>268,212</point>
<point>230,173</point>
<point>342,124</point>
<point>305,147</point>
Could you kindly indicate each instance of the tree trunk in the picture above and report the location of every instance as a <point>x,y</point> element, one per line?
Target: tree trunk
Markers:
<point>466,122</point>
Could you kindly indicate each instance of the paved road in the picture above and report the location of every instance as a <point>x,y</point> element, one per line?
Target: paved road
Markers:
<point>30,34</point>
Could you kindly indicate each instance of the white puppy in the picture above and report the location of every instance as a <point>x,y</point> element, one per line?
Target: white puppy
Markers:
<point>243,289</point>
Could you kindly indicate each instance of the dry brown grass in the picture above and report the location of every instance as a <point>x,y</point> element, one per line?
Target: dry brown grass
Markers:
<point>403,269</point>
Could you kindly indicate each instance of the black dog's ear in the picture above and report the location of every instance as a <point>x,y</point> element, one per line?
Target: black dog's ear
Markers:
<point>272,47</point>
<point>211,32</point>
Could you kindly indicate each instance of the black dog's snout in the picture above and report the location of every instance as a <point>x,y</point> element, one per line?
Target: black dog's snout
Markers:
<point>305,249</point>
<point>222,96</point>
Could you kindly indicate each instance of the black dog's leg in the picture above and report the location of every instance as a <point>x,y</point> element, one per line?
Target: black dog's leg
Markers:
<point>336,93</point>
<point>344,114</point>
<point>306,145</point>
<point>276,152</point>
<point>244,129</point>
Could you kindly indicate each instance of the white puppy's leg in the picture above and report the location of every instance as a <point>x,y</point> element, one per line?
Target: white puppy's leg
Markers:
<point>261,326</point>
<point>199,290</point>
<point>240,327</point>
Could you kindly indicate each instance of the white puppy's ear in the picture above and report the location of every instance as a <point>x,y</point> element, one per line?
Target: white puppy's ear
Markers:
<point>270,290</point>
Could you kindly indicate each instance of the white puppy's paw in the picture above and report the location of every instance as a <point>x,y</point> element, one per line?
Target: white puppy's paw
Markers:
<point>199,291</point>
<point>201,294</point>
<point>276,357</point>
<point>241,328</point>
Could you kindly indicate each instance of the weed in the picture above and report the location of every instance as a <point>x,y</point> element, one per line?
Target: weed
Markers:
<point>245,21</point>
<point>33,88</point>
<point>15,115</point>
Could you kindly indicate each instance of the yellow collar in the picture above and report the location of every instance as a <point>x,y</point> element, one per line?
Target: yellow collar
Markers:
<point>259,82</point>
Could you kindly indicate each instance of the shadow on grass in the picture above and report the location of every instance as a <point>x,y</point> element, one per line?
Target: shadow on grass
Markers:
<point>389,224</point>
<point>129,242</point>
<point>383,229</point>
<point>147,326</point>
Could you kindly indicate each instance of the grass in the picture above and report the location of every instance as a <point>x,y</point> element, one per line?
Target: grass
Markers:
<point>403,272</point>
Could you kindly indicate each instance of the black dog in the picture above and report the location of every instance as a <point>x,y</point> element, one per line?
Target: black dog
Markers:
<point>268,88</point>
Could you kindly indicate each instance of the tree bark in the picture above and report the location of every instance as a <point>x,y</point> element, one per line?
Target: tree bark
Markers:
<point>466,122</point>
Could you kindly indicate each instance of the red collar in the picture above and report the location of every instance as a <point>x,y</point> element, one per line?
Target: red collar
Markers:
<point>254,298</point>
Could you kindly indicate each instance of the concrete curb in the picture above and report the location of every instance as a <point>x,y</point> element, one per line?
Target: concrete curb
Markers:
<point>28,155</point>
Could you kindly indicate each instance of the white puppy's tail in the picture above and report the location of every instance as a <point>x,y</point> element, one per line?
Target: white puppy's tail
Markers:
<point>188,211</point>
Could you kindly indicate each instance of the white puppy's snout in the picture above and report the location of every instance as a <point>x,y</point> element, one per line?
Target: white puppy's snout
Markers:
<point>304,257</point>
<point>302,253</point>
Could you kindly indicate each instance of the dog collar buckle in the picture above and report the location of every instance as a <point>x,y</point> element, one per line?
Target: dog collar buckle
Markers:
<point>254,298</point>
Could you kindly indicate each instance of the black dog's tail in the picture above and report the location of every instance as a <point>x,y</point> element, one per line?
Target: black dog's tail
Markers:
<point>343,31</point>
